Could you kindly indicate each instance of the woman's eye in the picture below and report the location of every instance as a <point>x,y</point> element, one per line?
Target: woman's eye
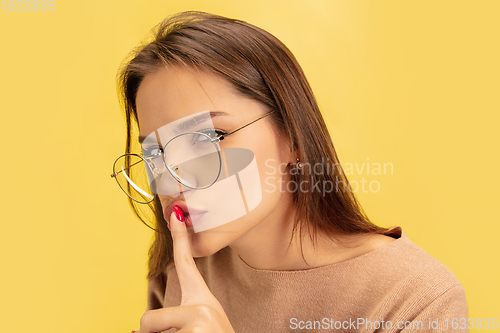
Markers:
<point>210,134</point>
<point>213,133</point>
<point>149,152</point>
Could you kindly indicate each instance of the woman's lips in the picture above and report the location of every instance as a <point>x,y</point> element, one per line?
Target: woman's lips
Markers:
<point>191,214</point>
<point>191,219</point>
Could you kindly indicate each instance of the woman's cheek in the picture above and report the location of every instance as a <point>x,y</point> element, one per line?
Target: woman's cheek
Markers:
<point>273,175</point>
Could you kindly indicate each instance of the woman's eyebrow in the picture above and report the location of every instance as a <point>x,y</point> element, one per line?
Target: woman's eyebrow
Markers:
<point>190,123</point>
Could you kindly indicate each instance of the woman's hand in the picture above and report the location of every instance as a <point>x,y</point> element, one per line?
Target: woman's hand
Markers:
<point>199,310</point>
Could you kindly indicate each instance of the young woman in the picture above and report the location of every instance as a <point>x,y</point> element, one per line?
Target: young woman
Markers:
<point>278,239</point>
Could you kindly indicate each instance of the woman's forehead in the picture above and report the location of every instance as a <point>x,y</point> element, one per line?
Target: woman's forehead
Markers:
<point>175,92</point>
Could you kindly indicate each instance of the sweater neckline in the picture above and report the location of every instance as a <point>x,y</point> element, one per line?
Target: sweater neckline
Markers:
<point>395,232</point>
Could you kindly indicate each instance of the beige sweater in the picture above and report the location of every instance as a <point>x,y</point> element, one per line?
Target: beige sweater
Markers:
<point>398,282</point>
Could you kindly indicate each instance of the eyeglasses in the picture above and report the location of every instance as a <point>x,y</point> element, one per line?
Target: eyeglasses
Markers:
<point>193,159</point>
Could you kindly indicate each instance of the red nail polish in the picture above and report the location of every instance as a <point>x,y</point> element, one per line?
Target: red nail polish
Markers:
<point>178,213</point>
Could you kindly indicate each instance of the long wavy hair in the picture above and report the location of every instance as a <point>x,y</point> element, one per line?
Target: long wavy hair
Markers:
<point>261,67</point>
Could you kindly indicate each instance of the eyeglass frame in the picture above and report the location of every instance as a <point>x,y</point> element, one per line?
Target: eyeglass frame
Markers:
<point>145,159</point>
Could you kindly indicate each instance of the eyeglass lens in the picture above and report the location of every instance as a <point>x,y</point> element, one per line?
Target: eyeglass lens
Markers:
<point>191,158</point>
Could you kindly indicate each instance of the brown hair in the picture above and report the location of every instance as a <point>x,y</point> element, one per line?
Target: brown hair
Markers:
<point>261,67</point>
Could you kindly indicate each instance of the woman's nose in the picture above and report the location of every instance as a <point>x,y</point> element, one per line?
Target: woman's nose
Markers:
<point>179,195</point>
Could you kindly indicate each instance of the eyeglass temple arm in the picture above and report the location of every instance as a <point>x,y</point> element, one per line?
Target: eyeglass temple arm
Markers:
<point>116,173</point>
<point>220,138</point>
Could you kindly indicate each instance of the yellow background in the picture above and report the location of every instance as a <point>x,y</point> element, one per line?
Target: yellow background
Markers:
<point>412,83</point>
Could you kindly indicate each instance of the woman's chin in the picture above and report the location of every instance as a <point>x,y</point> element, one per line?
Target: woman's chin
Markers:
<point>205,244</point>
<point>199,252</point>
<point>210,241</point>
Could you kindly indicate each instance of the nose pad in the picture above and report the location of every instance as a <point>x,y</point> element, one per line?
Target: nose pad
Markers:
<point>175,171</point>
<point>161,182</point>
<point>166,184</point>
<point>183,175</point>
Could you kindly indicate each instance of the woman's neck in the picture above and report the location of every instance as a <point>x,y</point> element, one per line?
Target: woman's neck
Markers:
<point>266,246</point>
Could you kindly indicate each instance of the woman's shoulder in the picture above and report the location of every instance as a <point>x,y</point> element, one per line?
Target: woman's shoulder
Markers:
<point>407,277</point>
<point>402,275</point>
<point>397,277</point>
<point>396,255</point>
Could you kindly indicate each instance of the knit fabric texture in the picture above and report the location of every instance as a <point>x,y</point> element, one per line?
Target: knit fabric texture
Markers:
<point>398,287</point>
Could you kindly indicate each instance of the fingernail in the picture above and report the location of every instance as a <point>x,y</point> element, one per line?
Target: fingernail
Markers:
<point>178,213</point>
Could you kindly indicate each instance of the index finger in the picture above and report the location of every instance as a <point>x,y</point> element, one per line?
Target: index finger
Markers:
<point>192,283</point>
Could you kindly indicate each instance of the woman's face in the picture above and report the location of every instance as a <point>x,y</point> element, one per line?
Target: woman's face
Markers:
<point>177,92</point>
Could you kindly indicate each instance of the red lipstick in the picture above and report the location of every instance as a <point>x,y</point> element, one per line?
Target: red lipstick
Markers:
<point>190,216</point>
